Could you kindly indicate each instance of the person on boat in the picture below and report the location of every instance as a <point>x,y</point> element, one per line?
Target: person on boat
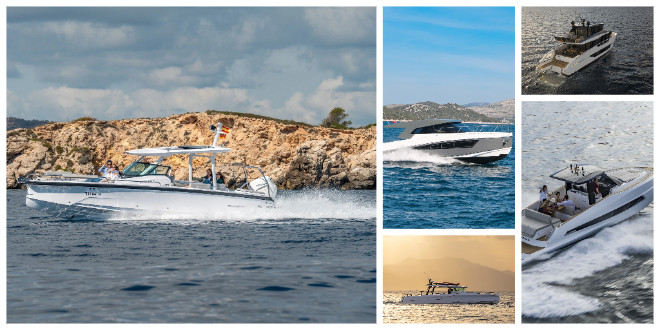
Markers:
<point>209,177</point>
<point>566,202</point>
<point>220,178</point>
<point>105,167</point>
<point>543,193</point>
<point>596,186</point>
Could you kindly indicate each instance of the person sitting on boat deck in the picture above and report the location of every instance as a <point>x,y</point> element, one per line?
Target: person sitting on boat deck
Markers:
<point>209,177</point>
<point>111,174</point>
<point>105,167</point>
<point>220,178</point>
<point>566,202</point>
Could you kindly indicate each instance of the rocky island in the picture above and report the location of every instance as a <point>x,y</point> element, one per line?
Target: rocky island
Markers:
<point>294,155</point>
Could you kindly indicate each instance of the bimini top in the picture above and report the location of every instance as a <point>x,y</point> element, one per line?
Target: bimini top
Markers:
<point>578,174</point>
<point>445,285</point>
<point>426,126</point>
<point>178,150</point>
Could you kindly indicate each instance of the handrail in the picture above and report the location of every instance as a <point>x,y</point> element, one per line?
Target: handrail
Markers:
<point>247,179</point>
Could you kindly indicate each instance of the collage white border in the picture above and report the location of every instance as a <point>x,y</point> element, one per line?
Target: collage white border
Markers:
<point>379,4</point>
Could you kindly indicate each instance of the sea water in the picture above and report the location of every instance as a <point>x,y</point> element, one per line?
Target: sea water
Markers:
<point>298,262</point>
<point>396,312</point>
<point>426,192</point>
<point>626,69</point>
<point>607,277</point>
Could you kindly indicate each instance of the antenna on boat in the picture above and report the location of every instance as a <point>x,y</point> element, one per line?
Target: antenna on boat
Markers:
<point>217,130</point>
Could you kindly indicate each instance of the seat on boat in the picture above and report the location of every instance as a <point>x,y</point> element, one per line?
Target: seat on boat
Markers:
<point>534,221</point>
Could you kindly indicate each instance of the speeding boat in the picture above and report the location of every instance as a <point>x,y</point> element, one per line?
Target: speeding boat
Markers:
<point>596,198</point>
<point>452,293</point>
<point>585,43</point>
<point>147,189</point>
<point>450,138</point>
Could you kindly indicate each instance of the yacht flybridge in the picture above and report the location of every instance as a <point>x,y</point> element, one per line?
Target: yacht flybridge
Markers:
<point>585,43</point>
<point>450,293</point>
<point>450,138</point>
<point>597,199</point>
<point>146,188</point>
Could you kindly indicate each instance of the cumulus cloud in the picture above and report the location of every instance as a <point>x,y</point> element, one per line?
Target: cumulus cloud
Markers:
<point>118,62</point>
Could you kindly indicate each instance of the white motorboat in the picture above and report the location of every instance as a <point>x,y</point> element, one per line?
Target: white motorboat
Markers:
<point>450,138</point>
<point>147,189</point>
<point>585,43</point>
<point>598,199</point>
<point>449,293</point>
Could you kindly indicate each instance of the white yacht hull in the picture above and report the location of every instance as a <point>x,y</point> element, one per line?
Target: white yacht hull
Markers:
<point>609,212</point>
<point>453,298</point>
<point>567,66</point>
<point>101,201</point>
<point>489,146</point>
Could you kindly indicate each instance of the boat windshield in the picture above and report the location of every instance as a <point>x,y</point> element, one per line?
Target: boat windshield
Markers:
<point>141,169</point>
<point>442,128</point>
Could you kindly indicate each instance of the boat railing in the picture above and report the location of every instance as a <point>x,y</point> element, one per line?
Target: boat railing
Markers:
<point>495,127</point>
<point>247,178</point>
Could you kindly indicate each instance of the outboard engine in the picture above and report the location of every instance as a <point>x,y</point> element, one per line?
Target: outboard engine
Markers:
<point>265,186</point>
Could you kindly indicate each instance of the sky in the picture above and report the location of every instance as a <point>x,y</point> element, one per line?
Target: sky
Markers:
<point>114,63</point>
<point>448,55</point>
<point>496,252</point>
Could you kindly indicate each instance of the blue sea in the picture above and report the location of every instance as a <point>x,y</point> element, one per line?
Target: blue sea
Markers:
<point>297,263</point>
<point>428,193</point>
<point>626,69</point>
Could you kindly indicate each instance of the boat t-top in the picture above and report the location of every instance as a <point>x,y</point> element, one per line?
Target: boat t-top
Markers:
<point>590,199</point>
<point>585,43</point>
<point>147,189</point>
<point>450,138</point>
<point>449,293</point>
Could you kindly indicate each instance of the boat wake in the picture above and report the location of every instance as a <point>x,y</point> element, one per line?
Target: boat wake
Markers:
<point>289,206</point>
<point>548,286</point>
<point>551,79</point>
<point>416,156</point>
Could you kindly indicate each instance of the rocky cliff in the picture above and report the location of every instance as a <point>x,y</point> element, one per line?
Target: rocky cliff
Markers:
<point>294,156</point>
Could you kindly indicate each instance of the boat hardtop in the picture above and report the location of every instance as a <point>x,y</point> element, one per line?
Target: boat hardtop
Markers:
<point>427,126</point>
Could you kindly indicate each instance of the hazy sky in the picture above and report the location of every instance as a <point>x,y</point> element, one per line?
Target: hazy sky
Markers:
<point>492,251</point>
<point>448,54</point>
<point>111,63</point>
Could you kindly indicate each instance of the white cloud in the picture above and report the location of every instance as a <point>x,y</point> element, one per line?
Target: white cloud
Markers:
<point>342,25</point>
<point>88,35</point>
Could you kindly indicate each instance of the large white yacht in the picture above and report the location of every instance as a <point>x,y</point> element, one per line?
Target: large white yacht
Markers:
<point>597,199</point>
<point>450,138</point>
<point>449,293</point>
<point>585,43</point>
<point>147,189</point>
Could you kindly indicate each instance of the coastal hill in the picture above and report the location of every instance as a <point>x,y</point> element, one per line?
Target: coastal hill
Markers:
<point>14,123</point>
<point>294,155</point>
<point>499,110</point>
<point>477,112</point>
<point>410,274</point>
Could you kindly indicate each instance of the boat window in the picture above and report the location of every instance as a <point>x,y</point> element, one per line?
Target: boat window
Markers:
<point>141,169</point>
<point>441,128</point>
<point>449,145</point>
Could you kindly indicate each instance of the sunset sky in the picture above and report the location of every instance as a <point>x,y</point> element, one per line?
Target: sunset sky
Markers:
<point>480,262</point>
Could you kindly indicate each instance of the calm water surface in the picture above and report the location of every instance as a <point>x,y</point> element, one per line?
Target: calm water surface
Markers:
<point>294,264</point>
<point>396,312</point>
<point>626,69</point>
<point>607,278</point>
<point>420,191</point>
